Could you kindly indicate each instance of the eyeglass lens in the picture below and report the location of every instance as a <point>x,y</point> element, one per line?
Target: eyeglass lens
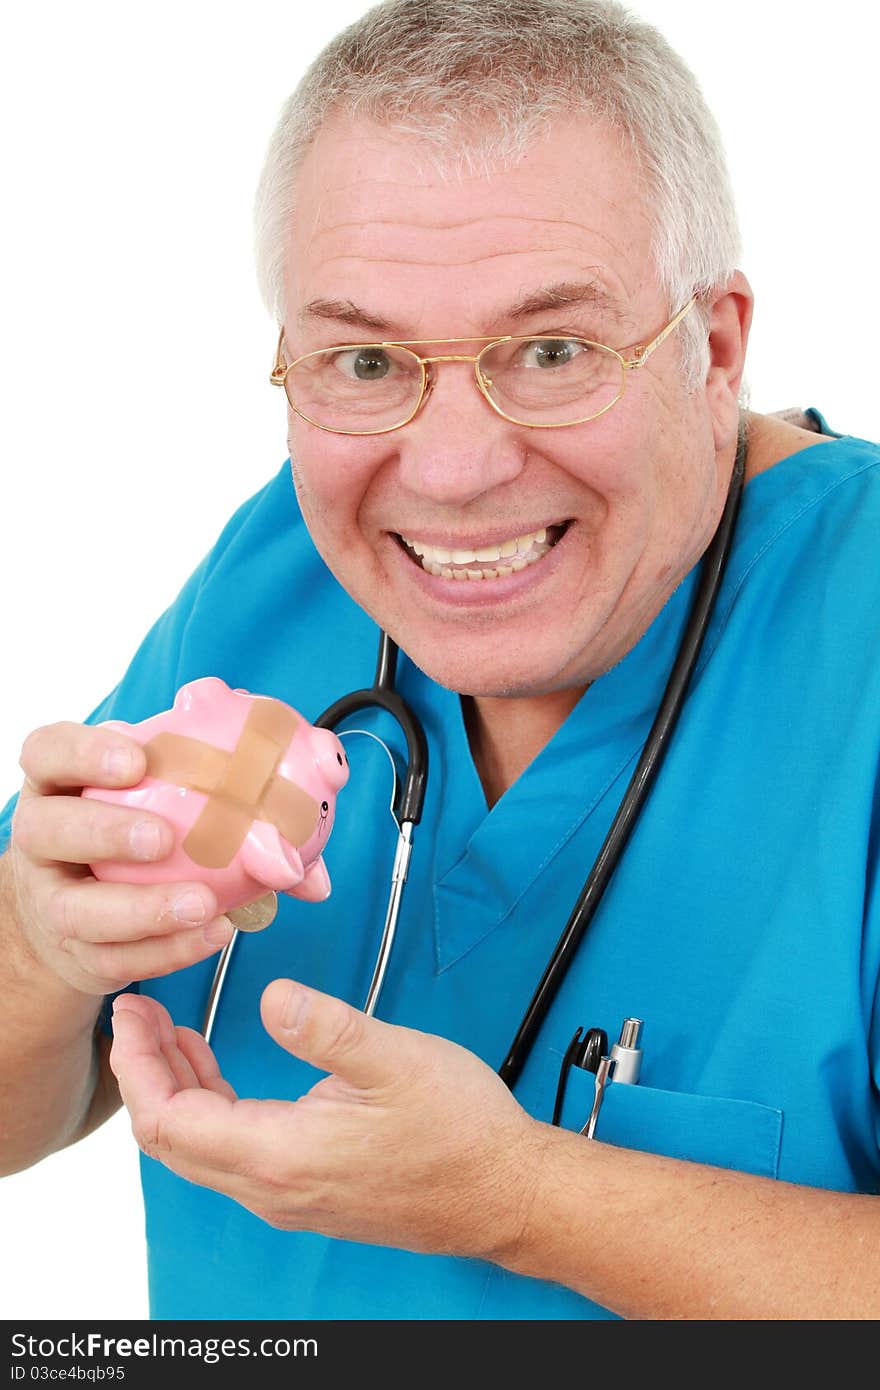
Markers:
<point>536,380</point>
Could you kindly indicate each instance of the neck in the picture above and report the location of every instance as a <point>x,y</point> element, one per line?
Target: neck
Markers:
<point>505,735</point>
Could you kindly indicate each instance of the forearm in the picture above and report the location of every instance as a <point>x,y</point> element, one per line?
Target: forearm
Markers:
<point>48,1058</point>
<point>657,1238</point>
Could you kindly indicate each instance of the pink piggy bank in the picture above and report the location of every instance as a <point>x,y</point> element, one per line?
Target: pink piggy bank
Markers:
<point>249,787</point>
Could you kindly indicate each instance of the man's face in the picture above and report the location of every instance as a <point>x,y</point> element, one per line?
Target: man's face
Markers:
<point>629,500</point>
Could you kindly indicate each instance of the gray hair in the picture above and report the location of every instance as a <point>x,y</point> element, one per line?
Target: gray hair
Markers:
<point>476,80</point>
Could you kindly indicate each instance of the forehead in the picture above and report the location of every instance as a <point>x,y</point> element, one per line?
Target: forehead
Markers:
<point>379,225</point>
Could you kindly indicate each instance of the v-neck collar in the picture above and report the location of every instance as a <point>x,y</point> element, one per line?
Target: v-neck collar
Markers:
<point>478,880</point>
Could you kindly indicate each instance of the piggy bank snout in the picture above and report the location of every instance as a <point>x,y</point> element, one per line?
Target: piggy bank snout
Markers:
<point>330,758</point>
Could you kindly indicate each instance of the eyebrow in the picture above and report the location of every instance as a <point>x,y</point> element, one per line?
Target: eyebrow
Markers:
<point>343,311</point>
<point>565,294</point>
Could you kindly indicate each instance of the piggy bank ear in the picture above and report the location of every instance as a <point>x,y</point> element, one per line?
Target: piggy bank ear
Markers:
<point>198,693</point>
<point>330,758</point>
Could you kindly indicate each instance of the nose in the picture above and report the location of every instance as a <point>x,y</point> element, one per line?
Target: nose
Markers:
<point>457,448</point>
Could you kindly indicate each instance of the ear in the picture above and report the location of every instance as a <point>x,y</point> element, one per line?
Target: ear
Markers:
<point>729,324</point>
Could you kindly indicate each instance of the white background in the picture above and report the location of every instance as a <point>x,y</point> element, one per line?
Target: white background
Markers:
<point>135,352</point>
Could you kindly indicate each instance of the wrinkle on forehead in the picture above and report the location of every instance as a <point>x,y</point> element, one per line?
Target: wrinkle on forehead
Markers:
<point>365,204</point>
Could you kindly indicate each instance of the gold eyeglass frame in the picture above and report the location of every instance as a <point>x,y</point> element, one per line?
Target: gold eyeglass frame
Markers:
<point>640,355</point>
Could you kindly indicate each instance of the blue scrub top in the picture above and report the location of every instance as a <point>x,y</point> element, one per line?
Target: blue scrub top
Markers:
<point>742,924</point>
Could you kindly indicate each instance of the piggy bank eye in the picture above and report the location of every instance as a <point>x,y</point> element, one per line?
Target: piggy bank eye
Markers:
<point>325,807</point>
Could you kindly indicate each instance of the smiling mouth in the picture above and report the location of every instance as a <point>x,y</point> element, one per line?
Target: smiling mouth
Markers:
<point>487,561</point>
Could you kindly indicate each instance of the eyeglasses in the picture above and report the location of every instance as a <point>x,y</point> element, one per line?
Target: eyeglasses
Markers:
<point>545,382</point>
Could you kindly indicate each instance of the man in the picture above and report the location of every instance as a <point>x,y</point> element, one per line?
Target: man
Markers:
<point>529,185</point>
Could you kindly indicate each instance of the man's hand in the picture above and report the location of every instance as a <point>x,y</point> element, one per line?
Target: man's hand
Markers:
<point>411,1141</point>
<point>97,936</point>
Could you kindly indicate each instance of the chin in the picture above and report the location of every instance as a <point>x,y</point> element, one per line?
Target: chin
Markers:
<point>459,672</point>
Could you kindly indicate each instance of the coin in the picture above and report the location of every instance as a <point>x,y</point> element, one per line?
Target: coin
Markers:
<point>256,915</point>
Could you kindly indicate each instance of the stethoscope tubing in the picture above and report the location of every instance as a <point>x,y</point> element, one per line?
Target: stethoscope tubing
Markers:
<point>653,752</point>
<point>382,695</point>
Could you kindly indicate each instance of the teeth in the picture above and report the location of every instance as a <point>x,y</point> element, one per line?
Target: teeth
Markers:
<point>519,550</point>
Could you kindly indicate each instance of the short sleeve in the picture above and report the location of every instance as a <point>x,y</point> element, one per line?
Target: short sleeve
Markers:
<point>871,959</point>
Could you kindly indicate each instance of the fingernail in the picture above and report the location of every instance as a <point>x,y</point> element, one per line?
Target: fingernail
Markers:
<point>218,932</point>
<point>294,1009</point>
<point>145,839</point>
<point>117,763</point>
<point>190,907</point>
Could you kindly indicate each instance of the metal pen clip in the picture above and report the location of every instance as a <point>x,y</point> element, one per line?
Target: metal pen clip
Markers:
<point>584,1052</point>
<point>604,1074</point>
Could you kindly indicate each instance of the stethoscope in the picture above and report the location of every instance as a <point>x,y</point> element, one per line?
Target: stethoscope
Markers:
<point>409,795</point>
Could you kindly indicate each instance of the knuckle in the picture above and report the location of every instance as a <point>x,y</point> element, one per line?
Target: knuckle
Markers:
<point>184,947</point>
<point>344,1029</point>
<point>152,908</point>
<point>103,960</point>
<point>57,917</point>
<point>30,749</point>
<point>24,823</point>
<point>100,826</point>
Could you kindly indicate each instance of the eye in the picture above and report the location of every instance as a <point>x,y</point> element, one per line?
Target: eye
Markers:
<point>364,363</point>
<point>550,352</point>
<point>325,807</point>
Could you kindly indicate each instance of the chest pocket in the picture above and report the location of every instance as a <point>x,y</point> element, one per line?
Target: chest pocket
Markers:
<point>725,1133</point>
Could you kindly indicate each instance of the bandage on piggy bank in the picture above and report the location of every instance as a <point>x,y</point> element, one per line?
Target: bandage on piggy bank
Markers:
<point>249,787</point>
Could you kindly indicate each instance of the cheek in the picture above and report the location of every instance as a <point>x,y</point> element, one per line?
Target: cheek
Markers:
<point>333,477</point>
<point>330,475</point>
<point>611,460</point>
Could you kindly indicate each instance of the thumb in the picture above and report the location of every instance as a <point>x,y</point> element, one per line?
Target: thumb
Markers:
<point>330,1034</point>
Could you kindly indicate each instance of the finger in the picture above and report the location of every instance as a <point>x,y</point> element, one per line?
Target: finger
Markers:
<point>64,755</point>
<point>82,830</point>
<point>157,1018</point>
<point>89,910</point>
<point>178,1062</point>
<point>190,1124</point>
<point>146,1082</point>
<point>331,1034</point>
<point>144,960</point>
<point>203,1062</point>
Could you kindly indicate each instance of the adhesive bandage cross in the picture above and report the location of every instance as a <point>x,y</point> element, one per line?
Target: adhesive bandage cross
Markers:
<point>241,786</point>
